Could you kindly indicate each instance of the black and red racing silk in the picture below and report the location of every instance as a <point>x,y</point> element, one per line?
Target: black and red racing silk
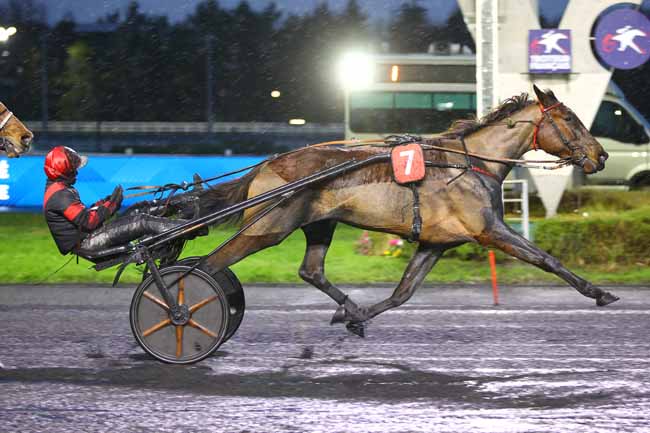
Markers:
<point>68,219</point>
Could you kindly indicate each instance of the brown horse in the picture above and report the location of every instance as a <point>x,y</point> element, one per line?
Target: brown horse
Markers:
<point>469,209</point>
<point>14,136</point>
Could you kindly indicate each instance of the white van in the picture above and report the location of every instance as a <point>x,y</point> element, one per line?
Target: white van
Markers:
<point>624,133</point>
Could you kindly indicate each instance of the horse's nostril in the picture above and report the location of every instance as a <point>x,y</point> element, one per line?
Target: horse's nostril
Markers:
<point>26,139</point>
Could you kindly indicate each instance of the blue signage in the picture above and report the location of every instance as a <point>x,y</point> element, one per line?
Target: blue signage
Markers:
<point>623,39</point>
<point>22,180</point>
<point>549,51</point>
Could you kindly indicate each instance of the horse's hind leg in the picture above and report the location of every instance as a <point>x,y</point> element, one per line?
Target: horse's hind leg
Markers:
<point>269,231</point>
<point>319,236</point>
<point>511,242</point>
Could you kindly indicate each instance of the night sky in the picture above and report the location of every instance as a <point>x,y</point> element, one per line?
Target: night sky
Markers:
<point>90,10</point>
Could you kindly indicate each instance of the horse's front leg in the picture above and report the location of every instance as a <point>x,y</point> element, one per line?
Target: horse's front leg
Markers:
<point>421,263</point>
<point>507,240</point>
<point>319,237</point>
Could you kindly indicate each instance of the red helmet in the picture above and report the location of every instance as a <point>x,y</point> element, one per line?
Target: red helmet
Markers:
<point>63,162</point>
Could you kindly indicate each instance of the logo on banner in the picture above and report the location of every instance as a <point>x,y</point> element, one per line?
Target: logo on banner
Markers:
<point>623,39</point>
<point>4,175</point>
<point>4,169</point>
<point>549,51</point>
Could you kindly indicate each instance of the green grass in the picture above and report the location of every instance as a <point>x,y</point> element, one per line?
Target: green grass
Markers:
<point>28,255</point>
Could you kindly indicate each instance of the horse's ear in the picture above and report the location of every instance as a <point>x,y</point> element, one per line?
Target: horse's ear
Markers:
<point>545,98</point>
<point>551,97</point>
<point>541,96</point>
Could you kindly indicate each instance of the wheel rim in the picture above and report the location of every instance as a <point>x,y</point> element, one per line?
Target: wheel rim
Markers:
<point>234,294</point>
<point>236,300</point>
<point>195,331</point>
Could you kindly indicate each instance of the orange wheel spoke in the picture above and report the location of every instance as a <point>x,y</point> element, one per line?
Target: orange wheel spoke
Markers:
<point>201,328</point>
<point>156,300</point>
<point>202,304</point>
<point>179,341</point>
<point>181,291</point>
<point>156,327</point>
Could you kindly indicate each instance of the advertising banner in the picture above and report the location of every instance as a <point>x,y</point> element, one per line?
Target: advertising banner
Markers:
<point>623,39</point>
<point>549,51</point>
<point>22,180</point>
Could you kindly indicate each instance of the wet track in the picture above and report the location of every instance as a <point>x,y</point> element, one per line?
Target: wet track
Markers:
<point>546,360</point>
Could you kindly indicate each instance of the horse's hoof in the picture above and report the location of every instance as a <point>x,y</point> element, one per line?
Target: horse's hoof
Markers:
<point>357,328</point>
<point>605,299</point>
<point>339,315</point>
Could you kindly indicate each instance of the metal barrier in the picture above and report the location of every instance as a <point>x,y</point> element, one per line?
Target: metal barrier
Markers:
<point>187,127</point>
<point>523,200</point>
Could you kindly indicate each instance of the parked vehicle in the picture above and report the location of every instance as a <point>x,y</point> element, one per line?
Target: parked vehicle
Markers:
<point>624,133</point>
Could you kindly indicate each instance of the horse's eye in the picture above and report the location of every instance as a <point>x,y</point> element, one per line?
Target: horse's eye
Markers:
<point>568,118</point>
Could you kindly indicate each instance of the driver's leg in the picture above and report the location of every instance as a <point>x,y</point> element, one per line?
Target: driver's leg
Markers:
<point>125,229</point>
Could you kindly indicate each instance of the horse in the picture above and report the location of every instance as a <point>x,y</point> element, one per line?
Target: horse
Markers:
<point>457,205</point>
<point>15,138</point>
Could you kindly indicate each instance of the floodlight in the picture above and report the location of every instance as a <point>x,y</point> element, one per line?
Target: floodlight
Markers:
<point>355,71</point>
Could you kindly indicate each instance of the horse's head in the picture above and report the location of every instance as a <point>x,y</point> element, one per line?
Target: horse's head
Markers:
<point>561,133</point>
<point>14,136</point>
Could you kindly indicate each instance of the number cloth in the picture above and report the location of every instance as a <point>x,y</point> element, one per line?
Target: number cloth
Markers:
<point>408,163</point>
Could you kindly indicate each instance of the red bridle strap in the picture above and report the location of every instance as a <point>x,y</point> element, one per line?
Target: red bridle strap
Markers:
<point>543,110</point>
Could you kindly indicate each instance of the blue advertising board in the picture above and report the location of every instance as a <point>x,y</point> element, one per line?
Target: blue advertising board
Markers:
<point>623,39</point>
<point>549,51</point>
<point>22,180</point>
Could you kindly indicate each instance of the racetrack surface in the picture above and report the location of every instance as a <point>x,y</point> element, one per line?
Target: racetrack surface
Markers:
<point>546,360</point>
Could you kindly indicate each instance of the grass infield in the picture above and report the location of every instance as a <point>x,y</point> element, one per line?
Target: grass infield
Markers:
<point>28,255</point>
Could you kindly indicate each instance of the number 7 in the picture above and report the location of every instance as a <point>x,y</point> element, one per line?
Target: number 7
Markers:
<point>409,162</point>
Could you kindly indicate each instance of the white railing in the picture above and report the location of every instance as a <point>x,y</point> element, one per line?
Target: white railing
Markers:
<point>186,127</point>
<point>523,200</point>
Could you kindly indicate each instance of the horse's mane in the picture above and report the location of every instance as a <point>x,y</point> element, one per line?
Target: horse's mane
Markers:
<point>463,127</point>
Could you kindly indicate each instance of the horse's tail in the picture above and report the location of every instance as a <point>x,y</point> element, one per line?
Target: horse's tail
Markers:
<point>227,194</point>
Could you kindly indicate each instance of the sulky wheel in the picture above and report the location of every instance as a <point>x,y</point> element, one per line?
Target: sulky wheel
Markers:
<point>234,294</point>
<point>198,328</point>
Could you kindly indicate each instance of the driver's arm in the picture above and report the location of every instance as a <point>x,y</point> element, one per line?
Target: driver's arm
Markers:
<point>88,219</point>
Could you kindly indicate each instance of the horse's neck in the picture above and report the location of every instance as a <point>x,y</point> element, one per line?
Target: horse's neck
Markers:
<point>501,141</point>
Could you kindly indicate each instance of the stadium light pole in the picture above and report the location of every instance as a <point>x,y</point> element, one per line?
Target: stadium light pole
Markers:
<point>209,90</point>
<point>44,83</point>
<point>487,54</point>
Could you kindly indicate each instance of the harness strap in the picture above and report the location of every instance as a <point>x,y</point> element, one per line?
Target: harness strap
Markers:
<point>416,227</point>
<point>485,172</point>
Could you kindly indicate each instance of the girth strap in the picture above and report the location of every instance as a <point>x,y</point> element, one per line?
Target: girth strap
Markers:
<point>416,227</point>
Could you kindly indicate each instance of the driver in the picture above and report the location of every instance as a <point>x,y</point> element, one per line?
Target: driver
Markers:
<point>80,229</point>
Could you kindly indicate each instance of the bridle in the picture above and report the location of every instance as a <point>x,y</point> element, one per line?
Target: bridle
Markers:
<point>3,123</point>
<point>6,119</point>
<point>577,155</point>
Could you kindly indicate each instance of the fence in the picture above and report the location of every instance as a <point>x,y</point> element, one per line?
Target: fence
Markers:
<point>520,186</point>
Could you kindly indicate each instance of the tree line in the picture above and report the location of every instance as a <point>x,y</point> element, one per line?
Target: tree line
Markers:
<point>133,66</point>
